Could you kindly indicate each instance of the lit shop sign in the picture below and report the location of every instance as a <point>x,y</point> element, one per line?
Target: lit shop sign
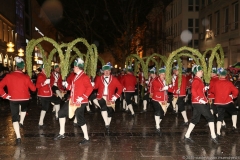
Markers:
<point>39,62</point>
<point>36,29</point>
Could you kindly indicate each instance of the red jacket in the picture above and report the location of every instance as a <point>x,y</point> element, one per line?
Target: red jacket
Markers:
<point>56,79</point>
<point>70,77</point>
<point>113,85</point>
<point>18,85</point>
<point>222,90</point>
<point>150,86</point>
<point>211,84</point>
<point>198,91</point>
<point>183,87</point>
<point>80,87</point>
<point>44,90</point>
<point>158,94</point>
<point>129,81</point>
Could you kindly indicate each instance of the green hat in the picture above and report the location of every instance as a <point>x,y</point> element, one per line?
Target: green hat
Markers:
<point>162,70</point>
<point>79,63</point>
<point>19,62</point>
<point>214,70</point>
<point>42,66</point>
<point>222,71</point>
<point>183,70</point>
<point>175,68</point>
<point>153,70</point>
<point>108,66</point>
<point>56,66</point>
<point>129,69</point>
<point>196,68</point>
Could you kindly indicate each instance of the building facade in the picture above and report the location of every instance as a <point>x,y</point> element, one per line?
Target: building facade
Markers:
<point>220,25</point>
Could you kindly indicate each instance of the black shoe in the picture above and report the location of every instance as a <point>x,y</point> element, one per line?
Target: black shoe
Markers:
<point>188,139</point>
<point>90,112</point>
<point>56,118</point>
<point>107,128</point>
<point>143,111</point>
<point>206,125</point>
<point>21,125</point>
<point>42,126</point>
<point>18,141</point>
<point>234,130</point>
<point>75,124</point>
<point>133,115</point>
<point>185,124</point>
<point>59,136</point>
<point>223,126</point>
<point>214,140</point>
<point>219,136</point>
<point>53,112</point>
<point>84,141</point>
<point>158,131</point>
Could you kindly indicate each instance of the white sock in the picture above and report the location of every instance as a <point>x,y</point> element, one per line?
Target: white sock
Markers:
<point>176,108</point>
<point>85,132</point>
<point>59,94</point>
<point>211,110</point>
<point>234,121</point>
<point>144,104</point>
<point>95,101</point>
<point>109,120</point>
<point>212,129</point>
<point>57,108</point>
<point>135,99</point>
<point>54,108</point>
<point>124,104</point>
<point>75,120</point>
<point>190,128</point>
<point>22,117</point>
<point>131,108</point>
<point>88,108</point>
<point>16,129</point>
<point>42,115</point>
<point>157,121</point>
<point>105,117</point>
<point>90,102</point>
<point>219,125</point>
<point>19,110</point>
<point>184,114</point>
<point>223,123</point>
<point>62,122</point>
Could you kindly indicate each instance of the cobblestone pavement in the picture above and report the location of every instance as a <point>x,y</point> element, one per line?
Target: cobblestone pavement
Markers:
<point>130,138</point>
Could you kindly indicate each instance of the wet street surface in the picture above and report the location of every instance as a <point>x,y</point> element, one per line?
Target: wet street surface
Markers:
<point>130,137</point>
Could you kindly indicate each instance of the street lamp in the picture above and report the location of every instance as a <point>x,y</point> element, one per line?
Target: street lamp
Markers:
<point>21,52</point>
<point>10,46</point>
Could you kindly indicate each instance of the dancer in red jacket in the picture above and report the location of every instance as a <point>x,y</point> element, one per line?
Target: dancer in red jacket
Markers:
<point>199,101</point>
<point>109,90</point>
<point>224,93</point>
<point>81,88</point>
<point>18,85</point>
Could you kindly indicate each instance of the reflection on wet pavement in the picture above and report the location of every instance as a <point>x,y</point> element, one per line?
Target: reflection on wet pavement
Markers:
<point>130,138</point>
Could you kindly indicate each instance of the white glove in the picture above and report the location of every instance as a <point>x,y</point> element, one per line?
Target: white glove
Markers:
<point>202,101</point>
<point>146,89</point>
<point>93,84</point>
<point>170,86</point>
<point>65,84</point>
<point>231,96</point>
<point>8,97</point>
<point>206,88</point>
<point>114,98</point>
<point>124,89</point>
<point>79,100</point>
<point>165,88</point>
<point>146,82</point>
<point>178,91</point>
<point>47,81</point>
